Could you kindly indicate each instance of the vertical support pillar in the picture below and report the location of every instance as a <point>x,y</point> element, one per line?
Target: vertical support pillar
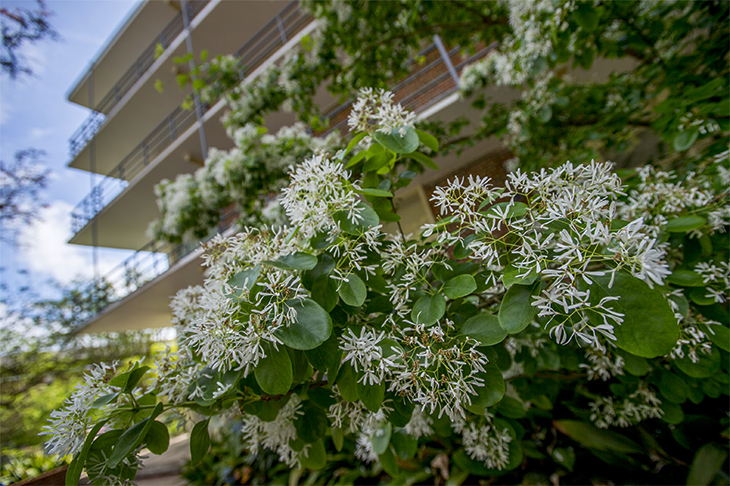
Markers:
<point>446,59</point>
<point>92,171</point>
<point>198,106</point>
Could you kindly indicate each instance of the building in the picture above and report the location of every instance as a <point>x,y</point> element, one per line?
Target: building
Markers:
<point>136,135</point>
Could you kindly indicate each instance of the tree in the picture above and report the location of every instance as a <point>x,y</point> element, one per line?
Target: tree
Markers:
<point>545,306</point>
<point>22,25</point>
<point>20,185</point>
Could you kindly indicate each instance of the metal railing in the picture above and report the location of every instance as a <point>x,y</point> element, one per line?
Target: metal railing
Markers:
<point>409,94</point>
<point>270,38</point>
<point>88,129</point>
<point>154,259</point>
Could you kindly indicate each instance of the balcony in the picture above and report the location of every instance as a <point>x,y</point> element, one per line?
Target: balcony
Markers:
<point>164,39</point>
<point>176,127</point>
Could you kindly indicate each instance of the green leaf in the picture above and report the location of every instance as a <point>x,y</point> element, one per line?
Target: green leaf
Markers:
<point>672,387</point>
<point>158,438</point>
<point>324,292</point>
<point>295,261</point>
<point>244,279</point>
<point>388,461</point>
<point>673,413</point>
<point>544,114</point>
<point>315,457</point>
<point>351,145</point>
<point>424,160</point>
<point>381,438</point>
<point>686,278</point>
<point>511,408</point>
<point>369,218</point>
<point>347,383</point>
<point>706,464</point>
<point>104,399</point>
<point>649,328</point>
<point>510,273</point>
<point>719,335</point>
<point>428,309</point>
<point>325,357</point>
<point>356,158</point>
<point>377,161</point>
<point>312,424</point>
<point>460,286</point>
<point>73,473</point>
<point>707,366</point>
<point>595,438</point>
<point>684,224</point>
<point>132,437</point>
<point>484,328</point>
<point>493,390</point>
<point>134,376</point>
<point>274,372</point>
<point>404,444</point>
<point>338,438</point>
<point>428,140</point>
<point>516,311</point>
<point>400,144</point>
<point>586,16</point>
<point>685,139</point>
<point>353,291</point>
<point>311,327</point>
<point>199,441</point>
<point>372,396</point>
<point>375,192</point>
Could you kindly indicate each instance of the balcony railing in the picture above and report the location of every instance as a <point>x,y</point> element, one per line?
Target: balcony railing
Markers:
<point>262,45</point>
<point>88,129</point>
<point>427,85</point>
<point>154,259</point>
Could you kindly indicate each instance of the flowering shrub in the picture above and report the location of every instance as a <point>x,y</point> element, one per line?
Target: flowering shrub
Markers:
<point>528,326</point>
<point>247,176</point>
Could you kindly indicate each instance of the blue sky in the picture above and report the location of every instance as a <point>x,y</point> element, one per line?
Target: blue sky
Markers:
<point>34,113</point>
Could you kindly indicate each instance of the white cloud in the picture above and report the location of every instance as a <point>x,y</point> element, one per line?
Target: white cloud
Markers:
<point>44,250</point>
<point>39,133</point>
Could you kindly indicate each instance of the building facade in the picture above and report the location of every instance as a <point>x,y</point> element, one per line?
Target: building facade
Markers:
<point>138,134</point>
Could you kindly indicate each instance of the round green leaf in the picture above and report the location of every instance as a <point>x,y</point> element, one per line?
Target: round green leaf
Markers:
<point>683,224</point>
<point>199,441</point>
<point>685,139</point>
<point>649,328</point>
<point>595,438</point>
<point>274,372</point>
<point>401,140</point>
<point>158,438</point>
<point>460,286</point>
<point>404,444</point>
<point>381,438</point>
<point>705,368</point>
<point>295,261</point>
<point>428,140</point>
<point>372,396</point>
<point>493,390</point>
<point>686,278</point>
<point>347,383</point>
<point>428,309</point>
<point>315,457</point>
<point>311,327</point>
<point>516,311</point>
<point>353,291</point>
<point>312,424</point>
<point>484,328</point>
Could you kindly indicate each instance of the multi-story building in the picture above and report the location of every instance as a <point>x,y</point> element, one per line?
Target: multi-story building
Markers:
<point>137,135</point>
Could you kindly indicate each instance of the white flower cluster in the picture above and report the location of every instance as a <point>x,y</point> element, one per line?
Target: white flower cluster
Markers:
<point>532,22</point>
<point>485,442</point>
<point>717,279</point>
<point>435,371</point>
<point>603,363</point>
<point>661,195</point>
<point>69,425</point>
<point>319,187</point>
<point>246,175</point>
<point>557,224</point>
<point>277,434</point>
<point>640,405</point>
<point>375,110</point>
